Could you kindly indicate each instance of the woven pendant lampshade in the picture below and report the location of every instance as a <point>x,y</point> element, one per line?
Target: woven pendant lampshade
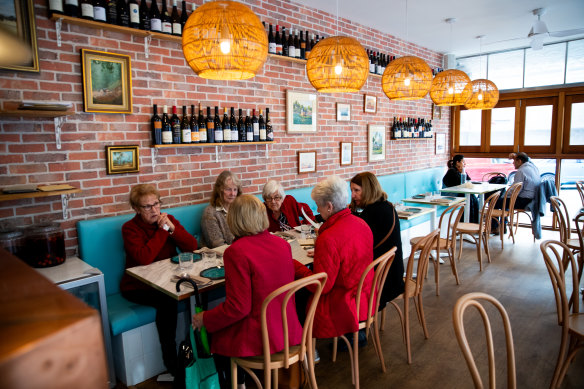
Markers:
<point>337,64</point>
<point>407,78</point>
<point>485,95</point>
<point>225,40</point>
<point>450,87</point>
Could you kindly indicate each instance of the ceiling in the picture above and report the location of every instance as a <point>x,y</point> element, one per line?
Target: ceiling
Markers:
<point>496,19</point>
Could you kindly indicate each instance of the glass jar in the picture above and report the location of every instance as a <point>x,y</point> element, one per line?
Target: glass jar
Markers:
<point>45,245</point>
<point>12,241</point>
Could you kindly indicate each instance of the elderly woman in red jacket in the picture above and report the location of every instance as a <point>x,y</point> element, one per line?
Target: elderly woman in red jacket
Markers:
<point>284,212</point>
<point>256,264</point>
<point>343,250</point>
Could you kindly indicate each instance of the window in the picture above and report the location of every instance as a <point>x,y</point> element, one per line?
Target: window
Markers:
<point>545,66</point>
<point>575,64</point>
<point>577,125</point>
<point>473,67</point>
<point>502,126</point>
<point>506,69</point>
<point>538,125</point>
<point>470,127</point>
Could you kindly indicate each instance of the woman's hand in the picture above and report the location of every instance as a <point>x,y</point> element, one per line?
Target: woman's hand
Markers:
<point>198,320</point>
<point>164,220</point>
<point>310,253</point>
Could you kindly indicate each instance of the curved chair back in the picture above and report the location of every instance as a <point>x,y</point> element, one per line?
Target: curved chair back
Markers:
<point>415,284</point>
<point>511,177</point>
<point>580,187</point>
<point>487,211</point>
<point>454,213</point>
<point>563,218</point>
<point>473,300</point>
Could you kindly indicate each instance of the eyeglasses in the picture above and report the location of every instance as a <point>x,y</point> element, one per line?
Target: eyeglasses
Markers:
<point>148,207</point>
<point>275,198</point>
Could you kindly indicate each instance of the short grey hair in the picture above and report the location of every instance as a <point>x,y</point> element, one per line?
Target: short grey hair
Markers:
<point>271,187</point>
<point>332,189</point>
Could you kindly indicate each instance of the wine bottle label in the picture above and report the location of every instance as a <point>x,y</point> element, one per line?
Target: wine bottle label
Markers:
<point>272,48</point>
<point>167,27</point>
<point>155,25</point>
<point>256,129</point>
<point>56,5</point>
<point>167,137</point>
<point>176,29</point>
<point>279,49</point>
<point>186,135</point>
<point>202,136</point>
<point>249,136</point>
<point>262,134</point>
<point>371,68</point>
<point>99,14</point>
<point>227,135</point>
<point>134,13</point>
<point>234,135</point>
<point>195,136</point>
<point>270,136</point>
<point>218,135</point>
<point>291,51</point>
<point>87,10</point>
<point>157,125</point>
<point>72,2</point>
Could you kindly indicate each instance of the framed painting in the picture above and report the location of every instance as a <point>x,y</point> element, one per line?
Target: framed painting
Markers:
<point>440,143</point>
<point>376,142</point>
<point>346,153</point>
<point>343,112</point>
<point>436,112</point>
<point>301,112</point>
<point>107,82</point>
<point>306,161</point>
<point>18,34</point>
<point>122,159</point>
<point>370,104</point>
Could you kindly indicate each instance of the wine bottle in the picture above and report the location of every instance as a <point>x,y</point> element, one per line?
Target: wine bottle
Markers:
<point>185,127</point>
<point>226,127</point>
<point>99,11</point>
<point>210,127</point>
<point>271,42</point>
<point>56,7</point>
<point>256,127</point>
<point>166,128</point>
<point>175,20</point>
<point>72,8</point>
<point>262,128</point>
<point>202,126</point>
<point>302,46</point>
<point>112,11</point>
<point>175,125</point>
<point>144,16</point>
<point>297,45</point>
<point>291,47</point>
<point>285,51</point>
<point>269,131</point>
<point>155,21</point>
<point>241,127</point>
<point>87,10</point>
<point>278,41</point>
<point>233,124</point>
<point>218,127</point>
<point>194,126</point>
<point>308,47</point>
<point>134,14</point>
<point>123,14</point>
<point>248,128</point>
<point>165,19</point>
<point>156,122</point>
<point>184,16</point>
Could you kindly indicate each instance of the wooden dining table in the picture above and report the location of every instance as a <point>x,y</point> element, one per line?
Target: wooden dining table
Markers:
<point>478,188</point>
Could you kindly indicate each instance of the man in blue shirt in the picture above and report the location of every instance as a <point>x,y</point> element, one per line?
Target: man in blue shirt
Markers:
<point>528,174</point>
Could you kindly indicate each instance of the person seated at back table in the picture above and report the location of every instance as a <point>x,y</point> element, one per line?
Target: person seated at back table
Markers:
<point>149,237</point>
<point>256,264</point>
<point>214,229</point>
<point>453,177</point>
<point>284,212</point>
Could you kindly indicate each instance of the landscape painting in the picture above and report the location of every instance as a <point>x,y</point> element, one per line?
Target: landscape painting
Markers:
<point>301,111</point>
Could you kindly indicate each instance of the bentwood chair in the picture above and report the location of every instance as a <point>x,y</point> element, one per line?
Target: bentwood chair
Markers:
<point>452,216</point>
<point>474,300</point>
<point>507,211</point>
<point>414,282</point>
<point>381,266</point>
<point>562,268</point>
<point>480,231</point>
<point>575,245</point>
<point>580,187</point>
<point>303,353</point>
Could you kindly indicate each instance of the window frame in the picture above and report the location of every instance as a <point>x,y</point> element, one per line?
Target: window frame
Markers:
<point>566,147</point>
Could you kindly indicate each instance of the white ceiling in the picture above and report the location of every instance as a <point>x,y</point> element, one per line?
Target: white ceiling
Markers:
<point>496,19</point>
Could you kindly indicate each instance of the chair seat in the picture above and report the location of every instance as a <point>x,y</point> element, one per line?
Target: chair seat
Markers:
<point>499,213</point>
<point>277,358</point>
<point>577,324</point>
<point>573,244</point>
<point>471,228</point>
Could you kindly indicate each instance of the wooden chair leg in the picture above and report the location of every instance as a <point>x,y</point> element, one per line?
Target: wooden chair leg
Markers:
<point>377,344</point>
<point>356,359</point>
<point>382,321</point>
<point>453,266</point>
<point>407,328</point>
<point>436,272</point>
<point>233,374</point>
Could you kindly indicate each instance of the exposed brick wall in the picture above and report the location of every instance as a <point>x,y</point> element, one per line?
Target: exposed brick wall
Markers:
<point>28,152</point>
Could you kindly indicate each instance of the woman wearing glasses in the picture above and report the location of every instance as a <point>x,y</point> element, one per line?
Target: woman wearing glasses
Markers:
<point>284,212</point>
<point>149,237</point>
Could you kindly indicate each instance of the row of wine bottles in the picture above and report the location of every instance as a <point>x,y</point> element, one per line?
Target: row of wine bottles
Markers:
<point>411,128</point>
<point>126,13</point>
<point>296,45</point>
<point>210,129</point>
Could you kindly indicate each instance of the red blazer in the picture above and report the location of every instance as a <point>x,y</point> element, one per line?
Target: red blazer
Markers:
<point>255,266</point>
<point>146,243</point>
<point>292,209</point>
<point>343,250</point>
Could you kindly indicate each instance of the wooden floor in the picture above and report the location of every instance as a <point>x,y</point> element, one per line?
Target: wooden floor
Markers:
<point>517,277</point>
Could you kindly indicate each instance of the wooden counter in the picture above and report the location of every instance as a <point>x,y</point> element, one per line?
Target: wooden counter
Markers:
<point>48,338</point>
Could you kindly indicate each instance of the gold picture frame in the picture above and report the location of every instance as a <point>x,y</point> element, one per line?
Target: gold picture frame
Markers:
<point>301,112</point>
<point>17,21</point>
<point>122,159</point>
<point>306,161</point>
<point>370,104</point>
<point>107,82</point>
<point>346,153</point>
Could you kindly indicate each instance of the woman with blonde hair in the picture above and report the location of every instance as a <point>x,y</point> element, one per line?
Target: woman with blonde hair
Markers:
<point>214,220</point>
<point>256,264</point>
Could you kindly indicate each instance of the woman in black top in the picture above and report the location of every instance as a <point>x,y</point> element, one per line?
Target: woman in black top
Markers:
<point>453,177</point>
<point>369,202</point>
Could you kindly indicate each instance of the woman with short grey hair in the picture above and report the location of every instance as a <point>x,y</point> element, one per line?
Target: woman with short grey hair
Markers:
<point>284,212</point>
<point>332,190</point>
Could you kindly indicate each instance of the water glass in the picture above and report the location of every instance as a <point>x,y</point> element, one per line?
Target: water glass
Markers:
<point>210,258</point>
<point>185,261</point>
<point>305,231</point>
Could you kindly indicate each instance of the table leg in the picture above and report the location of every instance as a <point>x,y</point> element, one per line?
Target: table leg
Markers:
<point>481,201</point>
<point>467,208</point>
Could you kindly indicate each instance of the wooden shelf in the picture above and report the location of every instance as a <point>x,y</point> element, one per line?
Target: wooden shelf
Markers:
<point>28,195</point>
<point>212,144</point>
<point>35,113</point>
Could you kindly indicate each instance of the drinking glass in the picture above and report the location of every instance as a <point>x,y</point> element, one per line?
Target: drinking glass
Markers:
<point>210,258</point>
<point>185,261</point>
<point>305,231</point>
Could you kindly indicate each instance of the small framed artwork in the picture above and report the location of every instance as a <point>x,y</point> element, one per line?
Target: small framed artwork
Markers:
<point>343,112</point>
<point>301,112</point>
<point>436,112</point>
<point>107,82</point>
<point>307,161</point>
<point>346,153</point>
<point>17,25</point>
<point>122,159</point>
<point>370,104</point>
<point>440,143</point>
<point>376,142</point>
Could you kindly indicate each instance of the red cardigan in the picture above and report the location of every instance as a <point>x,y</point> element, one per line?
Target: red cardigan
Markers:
<point>146,243</point>
<point>255,266</point>
<point>292,209</point>
<point>343,250</point>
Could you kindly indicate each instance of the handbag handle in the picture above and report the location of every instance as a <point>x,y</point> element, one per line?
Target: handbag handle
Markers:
<point>389,233</point>
<point>198,309</point>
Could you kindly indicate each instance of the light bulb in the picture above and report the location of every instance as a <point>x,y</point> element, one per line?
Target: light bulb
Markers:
<point>480,97</point>
<point>450,90</point>
<point>225,46</point>
<point>407,82</point>
<point>338,69</point>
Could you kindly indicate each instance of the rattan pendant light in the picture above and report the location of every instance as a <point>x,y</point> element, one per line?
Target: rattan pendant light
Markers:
<point>485,93</point>
<point>224,40</point>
